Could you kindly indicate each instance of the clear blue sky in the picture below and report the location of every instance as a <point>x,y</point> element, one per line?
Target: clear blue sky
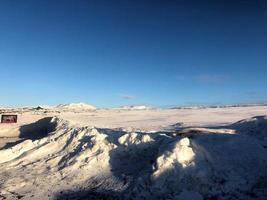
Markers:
<point>110,52</point>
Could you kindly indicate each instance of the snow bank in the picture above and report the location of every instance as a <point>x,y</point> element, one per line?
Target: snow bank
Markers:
<point>80,161</point>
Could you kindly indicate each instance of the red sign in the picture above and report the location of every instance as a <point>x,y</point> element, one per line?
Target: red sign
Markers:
<point>9,119</point>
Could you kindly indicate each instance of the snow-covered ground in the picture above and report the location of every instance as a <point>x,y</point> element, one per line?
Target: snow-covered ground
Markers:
<point>79,152</point>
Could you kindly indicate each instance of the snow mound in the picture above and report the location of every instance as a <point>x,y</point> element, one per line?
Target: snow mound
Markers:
<point>135,139</point>
<point>134,165</point>
<point>182,154</point>
<point>59,156</point>
<point>69,156</point>
<point>76,107</point>
<point>216,166</point>
<point>254,125</point>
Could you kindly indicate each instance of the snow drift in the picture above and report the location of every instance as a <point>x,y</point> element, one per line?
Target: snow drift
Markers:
<point>87,163</point>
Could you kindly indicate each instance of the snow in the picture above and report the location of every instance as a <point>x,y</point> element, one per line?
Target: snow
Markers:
<point>188,195</point>
<point>136,107</point>
<point>76,107</point>
<point>55,157</point>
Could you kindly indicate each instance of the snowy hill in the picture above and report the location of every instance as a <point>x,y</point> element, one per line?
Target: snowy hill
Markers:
<point>76,107</point>
<point>138,107</point>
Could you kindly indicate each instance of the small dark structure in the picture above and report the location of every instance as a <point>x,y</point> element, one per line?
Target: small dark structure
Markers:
<point>38,108</point>
<point>9,119</point>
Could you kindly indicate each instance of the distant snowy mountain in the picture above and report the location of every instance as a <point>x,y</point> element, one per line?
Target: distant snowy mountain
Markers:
<point>139,107</point>
<point>76,106</point>
<point>218,106</point>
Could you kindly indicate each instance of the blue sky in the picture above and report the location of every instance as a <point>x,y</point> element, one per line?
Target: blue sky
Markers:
<point>111,53</point>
